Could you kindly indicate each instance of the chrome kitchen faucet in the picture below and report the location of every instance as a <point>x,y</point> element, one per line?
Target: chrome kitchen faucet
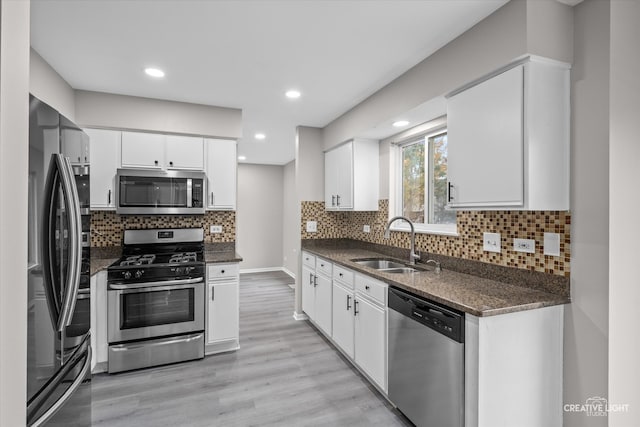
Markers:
<point>413,255</point>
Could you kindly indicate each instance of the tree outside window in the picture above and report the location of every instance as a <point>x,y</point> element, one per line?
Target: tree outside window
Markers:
<point>424,180</point>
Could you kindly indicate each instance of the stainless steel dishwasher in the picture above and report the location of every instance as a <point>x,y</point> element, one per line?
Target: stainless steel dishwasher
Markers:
<point>426,360</point>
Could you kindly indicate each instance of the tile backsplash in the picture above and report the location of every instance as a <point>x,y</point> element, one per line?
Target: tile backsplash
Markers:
<point>107,226</point>
<point>468,243</point>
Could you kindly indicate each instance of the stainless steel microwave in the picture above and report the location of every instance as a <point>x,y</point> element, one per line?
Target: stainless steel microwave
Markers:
<point>154,192</point>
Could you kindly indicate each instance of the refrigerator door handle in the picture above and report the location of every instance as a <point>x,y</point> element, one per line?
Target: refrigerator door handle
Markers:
<point>75,239</point>
<point>48,230</point>
<point>61,174</point>
<point>84,351</point>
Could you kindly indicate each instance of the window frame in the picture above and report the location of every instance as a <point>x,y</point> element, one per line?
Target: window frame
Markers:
<point>395,184</point>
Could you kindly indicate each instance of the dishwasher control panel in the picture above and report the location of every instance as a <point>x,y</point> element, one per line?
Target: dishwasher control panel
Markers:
<point>447,321</point>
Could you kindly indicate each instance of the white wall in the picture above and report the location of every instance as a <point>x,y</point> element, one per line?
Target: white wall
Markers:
<point>48,86</point>
<point>309,173</point>
<point>624,206</point>
<point>259,216</point>
<point>104,110</point>
<point>290,219</point>
<point>14,166</point>
<point>586,318</point>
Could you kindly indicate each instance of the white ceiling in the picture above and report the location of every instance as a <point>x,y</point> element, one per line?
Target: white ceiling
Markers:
<point>246,54</point>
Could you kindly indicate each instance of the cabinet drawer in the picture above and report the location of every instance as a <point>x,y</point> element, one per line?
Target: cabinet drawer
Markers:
<point>222,271</point>
<point>371,287</point>
<point>309,260</point>
<point>323,267</point>
<point>343,275</point>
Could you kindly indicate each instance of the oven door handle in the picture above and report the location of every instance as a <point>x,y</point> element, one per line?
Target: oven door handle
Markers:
<point>156,284</point>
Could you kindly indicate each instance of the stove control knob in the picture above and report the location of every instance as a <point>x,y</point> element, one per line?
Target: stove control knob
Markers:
<point>178,271</point>
<point>139,273</point>
<point>188,270</point>
<point>126,274</point>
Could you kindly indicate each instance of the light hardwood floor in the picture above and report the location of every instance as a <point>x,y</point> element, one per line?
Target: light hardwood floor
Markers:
<point>285,374</point>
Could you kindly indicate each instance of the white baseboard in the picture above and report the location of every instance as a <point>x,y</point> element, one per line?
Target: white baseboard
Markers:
<point>300,316</point>
<point>267,270</point>
<point>289,272</point>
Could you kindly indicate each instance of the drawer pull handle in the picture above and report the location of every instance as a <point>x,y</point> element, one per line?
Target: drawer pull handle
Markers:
<point>221,271</point>
<point>366,287</point>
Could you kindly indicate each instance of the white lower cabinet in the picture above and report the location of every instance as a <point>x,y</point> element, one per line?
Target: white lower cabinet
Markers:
<point>323,302</point>
<point>343,319</point>
<point>222,324</point>
<point>360,322</point>
<point>99,342</point>
<point>513,368</point>
<point>316,292</point>
<point>308,291</point>
<point>370,339</point>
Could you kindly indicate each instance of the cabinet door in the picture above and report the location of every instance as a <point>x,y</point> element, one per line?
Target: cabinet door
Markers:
<point>485,142</point>
<point>343,319</point>
<point>184,152</point>
<point>331,179</point>
<point>308,292</point>
<point>221,168</point>
<point>104,165</point>
<point>370,338</point>
<point>75,146</point>
<point>322,309</point>
<point>345,176</point>
<point>222,321</point>
<point>143,150</point>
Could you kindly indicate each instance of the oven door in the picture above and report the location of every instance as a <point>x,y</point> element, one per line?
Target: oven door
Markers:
<point>147,310</point>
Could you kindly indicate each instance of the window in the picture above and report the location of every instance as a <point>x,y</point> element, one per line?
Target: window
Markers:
<point>421,183</point>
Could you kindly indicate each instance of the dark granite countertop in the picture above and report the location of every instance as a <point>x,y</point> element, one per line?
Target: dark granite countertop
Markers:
<point>220,253</point>
<point>103,257</point>
<point>479,296</point>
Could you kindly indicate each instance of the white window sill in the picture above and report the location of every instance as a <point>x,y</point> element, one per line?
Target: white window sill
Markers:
<point>436,229</point>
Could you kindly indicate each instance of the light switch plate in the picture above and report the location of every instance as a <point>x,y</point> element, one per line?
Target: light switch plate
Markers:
<point>524,245</point>
<point>215,229</point>
<point>491,242</point>
<point>312,226</point>
<point>552,244</point>
<point>366,229</point>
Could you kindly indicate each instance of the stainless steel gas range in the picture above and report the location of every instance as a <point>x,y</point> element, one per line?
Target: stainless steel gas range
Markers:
<point>156,299</point>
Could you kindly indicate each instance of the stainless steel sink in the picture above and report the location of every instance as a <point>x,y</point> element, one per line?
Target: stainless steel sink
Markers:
<point>379,263</point>
<point>387,265</point>
<point>399,270</point>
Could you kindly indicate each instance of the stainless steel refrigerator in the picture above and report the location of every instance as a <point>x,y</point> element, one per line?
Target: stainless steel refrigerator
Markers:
<point>58,339</point>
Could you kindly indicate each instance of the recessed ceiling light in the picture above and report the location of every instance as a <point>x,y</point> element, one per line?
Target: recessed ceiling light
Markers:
<point>154,72</point>
<point>242,158</point>
<point>293,94</point>
<point>400,123</point>
<point>260,136</point>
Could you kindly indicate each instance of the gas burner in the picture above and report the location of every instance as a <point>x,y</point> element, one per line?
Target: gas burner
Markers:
<point>183,257</point>
<point>138,260</point>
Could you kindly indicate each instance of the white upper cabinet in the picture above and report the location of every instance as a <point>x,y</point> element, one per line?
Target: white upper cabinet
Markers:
<point>158,151</point>
<point>143,150</point>
<point>184,152</point>
<point>352,176</point>
<point>105,157</point>
<point>508,140</point>
<point>75,146</point>
<point>221,169</point>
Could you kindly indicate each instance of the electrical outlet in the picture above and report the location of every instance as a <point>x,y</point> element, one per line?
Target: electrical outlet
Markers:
<point>524,245</point>
<point>312,226</point>
<point>491,242</point>
<point>215,229</point>
<point>552,244</point>
<point>366,229</point>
